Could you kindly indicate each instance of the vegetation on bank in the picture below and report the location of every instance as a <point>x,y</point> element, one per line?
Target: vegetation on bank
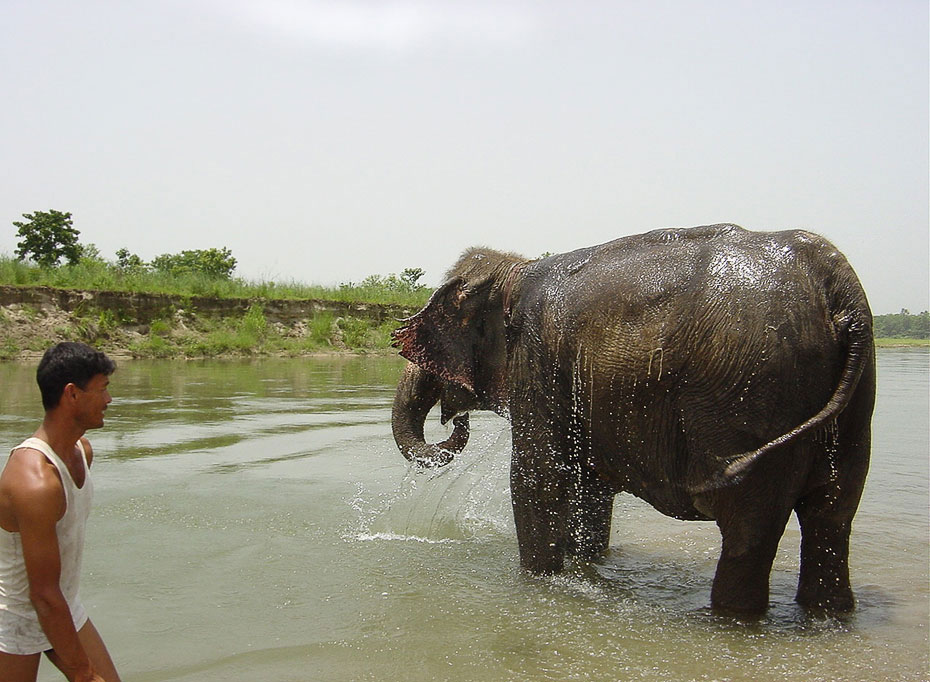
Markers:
<point>180,333</point>
<point>903,326</point>
<point>49,237</point>
<point>183,334</point>
<point>98,274</point>
<point>902,330</point>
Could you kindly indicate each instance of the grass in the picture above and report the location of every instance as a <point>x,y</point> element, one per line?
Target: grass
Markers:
<point>96,274</point>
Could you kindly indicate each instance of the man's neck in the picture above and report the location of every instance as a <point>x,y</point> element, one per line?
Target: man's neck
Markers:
<point>61,436</point>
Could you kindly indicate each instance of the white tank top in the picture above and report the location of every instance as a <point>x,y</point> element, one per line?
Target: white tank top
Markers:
<point>20,631</point>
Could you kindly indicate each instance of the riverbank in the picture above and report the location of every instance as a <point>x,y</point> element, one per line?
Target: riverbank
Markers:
<point>138,325</point>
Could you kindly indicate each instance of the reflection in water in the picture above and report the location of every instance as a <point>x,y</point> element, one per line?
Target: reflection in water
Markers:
<point>254,521</point>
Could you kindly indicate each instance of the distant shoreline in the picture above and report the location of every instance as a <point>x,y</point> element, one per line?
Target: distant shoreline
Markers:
<point>901,343</point>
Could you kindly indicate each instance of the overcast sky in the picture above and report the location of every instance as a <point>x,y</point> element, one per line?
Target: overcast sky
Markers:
<point>324,141</point>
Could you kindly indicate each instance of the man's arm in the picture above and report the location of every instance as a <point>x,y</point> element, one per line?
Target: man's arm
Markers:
<point>38,503</point>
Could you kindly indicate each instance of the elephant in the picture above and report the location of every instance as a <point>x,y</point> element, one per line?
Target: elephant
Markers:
<point>715,372</point>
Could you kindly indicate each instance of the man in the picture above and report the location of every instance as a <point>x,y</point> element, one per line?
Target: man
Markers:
<point>45,495</point>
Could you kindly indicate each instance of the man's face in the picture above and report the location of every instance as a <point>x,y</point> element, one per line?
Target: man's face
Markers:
<point>93,400</point>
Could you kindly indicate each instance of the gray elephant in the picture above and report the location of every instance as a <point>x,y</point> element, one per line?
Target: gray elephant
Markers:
<point>714,372</point>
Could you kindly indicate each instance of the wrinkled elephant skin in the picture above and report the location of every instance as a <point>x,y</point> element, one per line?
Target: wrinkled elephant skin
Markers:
<point>714,372</point>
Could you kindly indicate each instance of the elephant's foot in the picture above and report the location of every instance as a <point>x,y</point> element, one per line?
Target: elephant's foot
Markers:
<point>548,565</point>
<point>751,523</point>
<point>540,510</point>
<point>542,551</point>
<point>743,601</point>
<point>741,584</point>
<point>827,597</point>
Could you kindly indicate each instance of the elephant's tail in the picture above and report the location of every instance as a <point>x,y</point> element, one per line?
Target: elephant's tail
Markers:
<point>858,327</point>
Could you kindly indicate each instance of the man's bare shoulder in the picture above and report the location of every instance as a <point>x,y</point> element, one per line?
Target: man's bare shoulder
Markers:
<point>30,486</point>
<point>88,450</point>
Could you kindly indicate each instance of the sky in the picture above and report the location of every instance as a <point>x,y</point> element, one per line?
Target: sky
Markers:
<point>325,141</point>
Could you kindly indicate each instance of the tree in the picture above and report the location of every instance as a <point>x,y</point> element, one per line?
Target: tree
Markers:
<point>91,254</point>
<point>216,263</point>
<point>129,262</point>
<point>410,276</point>
<point>47,237</point>
<point>405,283</point>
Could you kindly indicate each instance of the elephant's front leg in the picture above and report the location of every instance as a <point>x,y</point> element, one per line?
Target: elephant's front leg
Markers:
<point>592,507</point>
<point>540,509</point>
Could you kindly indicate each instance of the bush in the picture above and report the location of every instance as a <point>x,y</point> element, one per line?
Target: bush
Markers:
<point>253,324</point>
<point>320,330</point>
<point>213,263</point>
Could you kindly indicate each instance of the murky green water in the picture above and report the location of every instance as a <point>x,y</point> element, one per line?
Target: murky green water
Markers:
<point>255,522</point>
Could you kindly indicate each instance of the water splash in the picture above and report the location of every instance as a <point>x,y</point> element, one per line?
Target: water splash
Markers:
<point>465,500</point>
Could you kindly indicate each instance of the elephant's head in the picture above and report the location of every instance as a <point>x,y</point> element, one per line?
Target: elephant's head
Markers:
<point>457,350</point>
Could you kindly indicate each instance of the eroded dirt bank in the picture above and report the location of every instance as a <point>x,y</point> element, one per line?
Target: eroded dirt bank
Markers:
<point>159,325</point>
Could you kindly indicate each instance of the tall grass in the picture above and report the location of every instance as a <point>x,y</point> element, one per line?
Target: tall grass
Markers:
<point>100,275</point>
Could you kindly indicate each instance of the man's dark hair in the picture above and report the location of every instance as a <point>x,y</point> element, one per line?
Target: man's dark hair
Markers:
<point>69,363</point>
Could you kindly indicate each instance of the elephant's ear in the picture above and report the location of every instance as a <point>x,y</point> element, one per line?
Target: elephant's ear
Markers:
<point>441,337</point>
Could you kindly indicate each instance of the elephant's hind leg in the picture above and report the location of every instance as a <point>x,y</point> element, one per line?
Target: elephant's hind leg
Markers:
<point>741,583</point>
<point>825,515</point>
<point>751,523</point>
<point>823,583</point>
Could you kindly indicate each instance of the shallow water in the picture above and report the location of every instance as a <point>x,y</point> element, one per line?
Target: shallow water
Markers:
<point>254,521</point>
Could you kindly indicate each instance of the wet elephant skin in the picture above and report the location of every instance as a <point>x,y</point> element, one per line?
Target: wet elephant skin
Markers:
<point>715,372</point>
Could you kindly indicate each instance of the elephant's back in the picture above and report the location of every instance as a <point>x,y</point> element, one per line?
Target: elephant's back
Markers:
<point>649,304</point>
<point>686,272</point>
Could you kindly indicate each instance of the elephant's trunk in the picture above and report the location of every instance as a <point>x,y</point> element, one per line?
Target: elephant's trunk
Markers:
<point>417,392</point>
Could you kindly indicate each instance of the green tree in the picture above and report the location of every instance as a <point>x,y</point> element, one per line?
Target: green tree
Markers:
<point>216,263</point>
<point>47,237</point>
<point>90,253</point>
<point>410,276</point>
<point>127,261</point>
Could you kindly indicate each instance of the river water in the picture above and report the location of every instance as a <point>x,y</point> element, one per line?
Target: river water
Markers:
<point>254,521</point>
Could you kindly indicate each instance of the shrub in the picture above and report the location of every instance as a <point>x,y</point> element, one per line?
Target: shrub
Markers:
<point>214,263</point>
<point>253,324</point>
